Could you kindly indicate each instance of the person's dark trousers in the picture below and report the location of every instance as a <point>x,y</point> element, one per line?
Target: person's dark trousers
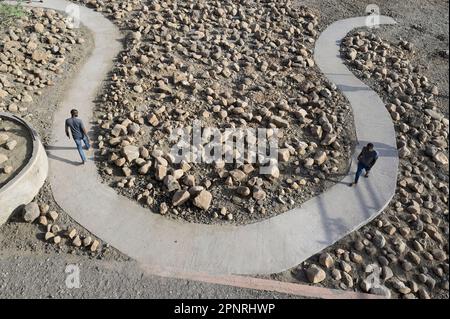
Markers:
<point>359,171</point>
<point>79,142</point>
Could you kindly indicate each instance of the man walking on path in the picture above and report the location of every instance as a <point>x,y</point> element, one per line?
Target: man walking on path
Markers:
<point>79,133</point>
<point>366,160</point>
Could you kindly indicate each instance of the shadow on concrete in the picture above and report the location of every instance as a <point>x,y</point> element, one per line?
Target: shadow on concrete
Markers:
<point>64,160</point>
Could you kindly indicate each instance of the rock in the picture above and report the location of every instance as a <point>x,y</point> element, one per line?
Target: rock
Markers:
<point>441,159</point>
<point>94,246</point>
<point>153,120</point>
<point>326,260</point>
<point>379,241</point>
<point>7,169</point>
<point>77,241</point>
<point>163,209</point>
<point>171,183</point>
<point>258,193</point>
<point>336,274</point>
<point>329,139</point>
<point>57,240</point>
<point>279,122</point>
<point>346,267</point>
<point>53,215</point>
<point>347,279</point>
<point>413,209</point>
<point>386,273</point>
<point>118,130</point>
<point>3,158</point>
<point>130,152</point>
<point>138,89</point>
<point>144,169</point>
<point>71,233</point>
<point>238,175</point>
<point>160,172</point>
<point>243,191</point>
<point>203,200</point>
<point>439,254</point>
<point>352,54</point>
<point>413,257</point>
<point>55,229</point>
<point>180,197</point>
<point>43,221</point>
<point>434,115</point>
<point>31,212</point>
<point>326,93</point>
<point>315,274</point>
<point>3,138</point>
<point>178,173</point>
<point>381,291</point>
<point>320,157</point>
<point>273,171</point>
<point>356,258</point>
<point>39,56</point>
<point>39,28</point>
<point>284,155</point>
<point>87,241</point>
<point>48,236</point>
<point>423,294</point>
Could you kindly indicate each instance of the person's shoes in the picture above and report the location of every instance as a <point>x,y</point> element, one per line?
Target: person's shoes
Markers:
<point>352,184</point>
<point>367,175</point>
<point>83,162</point>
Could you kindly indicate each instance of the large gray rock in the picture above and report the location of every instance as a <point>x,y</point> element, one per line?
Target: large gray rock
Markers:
<point>315,274</point>
<point>31,212</point>
<point>203,200</point>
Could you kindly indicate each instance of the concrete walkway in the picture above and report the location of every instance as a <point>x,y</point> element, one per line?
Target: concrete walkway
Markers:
<point>266,247</point>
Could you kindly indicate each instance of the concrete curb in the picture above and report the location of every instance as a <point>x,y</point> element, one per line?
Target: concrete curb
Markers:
<point>26,184</point>
<point>266,247</point>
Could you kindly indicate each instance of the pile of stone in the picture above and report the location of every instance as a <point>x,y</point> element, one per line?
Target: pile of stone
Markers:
<point>404,253</point>
<point>230,64</point>
<point>12,156</point>
<point>8,144</point>
<point>33,53</point>
<point>54,233</point>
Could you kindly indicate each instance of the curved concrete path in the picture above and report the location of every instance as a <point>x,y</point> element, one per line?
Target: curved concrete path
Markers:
<point>266,247</point>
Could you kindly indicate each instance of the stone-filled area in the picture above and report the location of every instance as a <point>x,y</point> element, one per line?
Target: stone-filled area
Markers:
<point>228,64</point>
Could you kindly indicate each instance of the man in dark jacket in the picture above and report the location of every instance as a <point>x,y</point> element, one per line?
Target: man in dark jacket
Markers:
<point>366,160</point>
<point>79,133</point>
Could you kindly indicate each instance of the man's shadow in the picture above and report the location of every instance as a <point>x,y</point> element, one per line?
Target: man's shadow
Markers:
<point>51,155</point>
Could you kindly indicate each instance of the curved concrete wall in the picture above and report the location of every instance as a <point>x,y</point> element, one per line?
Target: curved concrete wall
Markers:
<point>26,184</point>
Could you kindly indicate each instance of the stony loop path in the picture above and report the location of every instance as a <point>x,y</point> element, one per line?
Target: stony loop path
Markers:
<point>265,247</point>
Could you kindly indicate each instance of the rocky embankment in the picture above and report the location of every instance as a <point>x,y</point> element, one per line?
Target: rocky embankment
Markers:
<point>37,52</point>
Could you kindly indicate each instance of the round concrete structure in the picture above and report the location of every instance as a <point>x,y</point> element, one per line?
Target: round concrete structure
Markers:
<point>27,182</point>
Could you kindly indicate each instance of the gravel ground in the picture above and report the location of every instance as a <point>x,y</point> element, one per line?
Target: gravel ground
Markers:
<point>41,275</point>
